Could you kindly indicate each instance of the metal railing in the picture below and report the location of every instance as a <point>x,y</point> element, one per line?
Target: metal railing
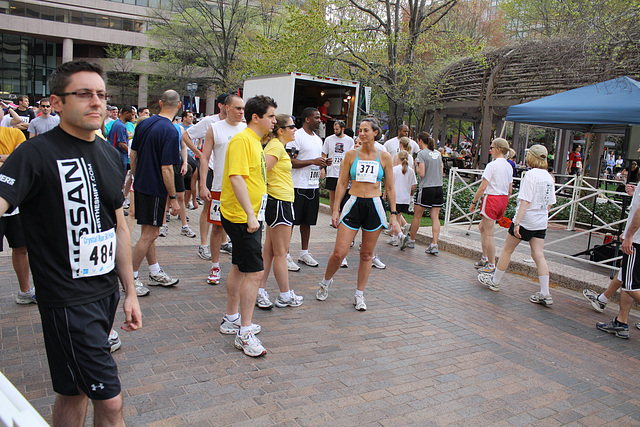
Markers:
<point>580,195</point>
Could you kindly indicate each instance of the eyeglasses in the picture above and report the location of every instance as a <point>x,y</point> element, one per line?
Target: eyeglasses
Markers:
<point>86,94</point>
<point>45,106</point>
<point>492,147</point>
<point>289,126</point>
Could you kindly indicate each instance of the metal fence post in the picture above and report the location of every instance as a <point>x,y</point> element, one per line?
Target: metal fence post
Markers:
<point>573,214</point>
<point>447,214</point>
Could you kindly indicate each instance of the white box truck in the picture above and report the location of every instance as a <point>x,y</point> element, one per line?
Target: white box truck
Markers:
<point>295,91</point>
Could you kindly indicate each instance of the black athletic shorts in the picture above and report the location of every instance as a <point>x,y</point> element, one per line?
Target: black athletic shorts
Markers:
<point>631,270</point>
<point>78,351</point>
<point>278,212</point>
<point>331,183</point>
<point>149,209</point>
<point>430,197</point>
<point>528,234</point>
<point>11,228</point>
<point>306,205</point>
<point>209,179</point>
<point>402,208</point>
<point>178,179</point>
<point>247,247</point>
<point>192,168</point>
<point>365,213</point>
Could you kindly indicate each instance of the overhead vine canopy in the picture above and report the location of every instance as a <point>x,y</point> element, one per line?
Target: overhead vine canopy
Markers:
<point>529,70</point>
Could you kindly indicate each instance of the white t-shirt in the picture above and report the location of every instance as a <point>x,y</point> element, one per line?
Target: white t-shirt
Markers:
<point>199,131</point>
<point>393,146</point>
<point>309,147</point>
<point>222,134</point>
<point>335,148</point>
<point>6,121</point>
<point>635,203</point>
<point>499,173</point>
<point>402,184</point>
<point>537,187</point>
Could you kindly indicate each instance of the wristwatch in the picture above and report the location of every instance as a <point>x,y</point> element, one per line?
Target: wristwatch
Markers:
<point>175,196</point>
<point>394,212</point>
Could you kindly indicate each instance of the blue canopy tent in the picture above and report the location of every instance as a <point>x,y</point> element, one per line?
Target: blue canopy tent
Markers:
<point>607,107</point>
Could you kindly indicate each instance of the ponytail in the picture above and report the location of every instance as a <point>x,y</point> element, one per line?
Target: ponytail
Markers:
<point>403,156</point>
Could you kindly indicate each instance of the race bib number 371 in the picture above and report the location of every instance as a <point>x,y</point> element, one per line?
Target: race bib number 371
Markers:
<point>97,253</point>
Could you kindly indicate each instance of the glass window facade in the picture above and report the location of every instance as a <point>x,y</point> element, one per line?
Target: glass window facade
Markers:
<point>49,13</point>
<point>25,65</point>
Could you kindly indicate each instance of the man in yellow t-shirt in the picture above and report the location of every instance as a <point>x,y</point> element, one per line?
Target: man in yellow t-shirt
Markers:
<point>11,225</point>
<point>242,202</point>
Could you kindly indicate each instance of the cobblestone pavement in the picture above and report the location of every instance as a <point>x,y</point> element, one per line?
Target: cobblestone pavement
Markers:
<point>434,348</point>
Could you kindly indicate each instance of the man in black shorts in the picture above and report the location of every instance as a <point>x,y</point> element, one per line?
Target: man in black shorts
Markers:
<point>242,203</point>
<point>308,169</point>
<point>630,289</point>
<point>11,225</point>
<point>82,248</point>
<point>154,151</point>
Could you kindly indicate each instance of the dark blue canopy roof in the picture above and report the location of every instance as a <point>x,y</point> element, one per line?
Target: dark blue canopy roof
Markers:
<point>607,107</point>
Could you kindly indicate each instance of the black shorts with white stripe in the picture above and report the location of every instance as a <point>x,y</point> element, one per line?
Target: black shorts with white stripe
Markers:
<point>631,270</point>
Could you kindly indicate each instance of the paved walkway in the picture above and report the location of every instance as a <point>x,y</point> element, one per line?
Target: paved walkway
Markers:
<point>434,348</point>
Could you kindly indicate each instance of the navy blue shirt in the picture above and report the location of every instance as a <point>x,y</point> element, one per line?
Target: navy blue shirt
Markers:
<point>118,133</point>
<point>156,144</point>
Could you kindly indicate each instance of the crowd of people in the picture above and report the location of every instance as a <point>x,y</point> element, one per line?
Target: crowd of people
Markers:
<point>251,168</point>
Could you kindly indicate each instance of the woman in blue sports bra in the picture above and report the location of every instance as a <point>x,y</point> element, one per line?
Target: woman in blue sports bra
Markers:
<point>363,208</point>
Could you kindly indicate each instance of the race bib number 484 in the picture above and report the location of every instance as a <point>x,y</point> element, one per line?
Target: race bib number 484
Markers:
<point>97,253</point>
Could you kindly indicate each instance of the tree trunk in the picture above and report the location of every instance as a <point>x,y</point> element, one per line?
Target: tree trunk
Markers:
<point>396,116</point>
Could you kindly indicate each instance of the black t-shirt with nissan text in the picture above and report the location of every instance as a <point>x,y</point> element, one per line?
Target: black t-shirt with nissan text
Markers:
<point>65,187</point>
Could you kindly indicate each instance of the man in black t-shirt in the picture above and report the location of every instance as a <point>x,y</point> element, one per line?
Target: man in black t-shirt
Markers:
<point>71,178</point>
<point>25,113</point>
<point>154,151</point>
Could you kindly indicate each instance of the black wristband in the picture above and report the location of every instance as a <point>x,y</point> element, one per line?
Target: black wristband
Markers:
<point>394,212</point>
<point>173,197</point>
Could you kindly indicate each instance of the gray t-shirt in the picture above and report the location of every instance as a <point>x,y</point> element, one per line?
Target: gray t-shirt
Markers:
<point>433,168</point>
<point>40,125</point>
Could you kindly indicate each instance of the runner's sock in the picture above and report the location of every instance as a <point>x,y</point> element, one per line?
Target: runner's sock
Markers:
<point>215,265</point>
<point>303,252</point>
<point>359,293</point>
<point>262,291</point>
<point>603,299</point>
<point>113,335</point>
<point>485,259</point>
<point>286,296</point>
<point>326,282</point>
<point>544,284</point>
<point>244,329</point>
<point>135,275</point>
<point>497,275</point>
<point>232,317</point>
<point>154,269</point>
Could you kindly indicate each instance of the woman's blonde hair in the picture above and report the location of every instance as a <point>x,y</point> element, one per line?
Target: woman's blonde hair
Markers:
<point>512,154</point>
<point>403,156</point>
<point>502,145</point>
<point>405,143</point>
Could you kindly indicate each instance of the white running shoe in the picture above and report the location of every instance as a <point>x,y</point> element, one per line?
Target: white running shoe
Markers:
<point>164,230</point>
<point>295,301</point>
<point>162,279</point>
<point>291,265</point>
<point>263,301</point>
<point>250,345</point>
<point>204,252</point>
<point>323,292</point>
<point>344,263</point>
<point>228,327</point>
<point>187,231</point>
<point>487,280</point>
<point>359,303</point>
<point>308,259</point>
<point>214,276</point>
<point>28,297</point>
<point>141,290</point>
<point>375,262</point>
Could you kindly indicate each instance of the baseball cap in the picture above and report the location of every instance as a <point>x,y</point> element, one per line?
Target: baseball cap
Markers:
<point>539,151</point>
<point>221,98</point>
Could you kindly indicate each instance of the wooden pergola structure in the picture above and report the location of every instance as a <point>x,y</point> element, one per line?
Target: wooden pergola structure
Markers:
<point>481,89</point>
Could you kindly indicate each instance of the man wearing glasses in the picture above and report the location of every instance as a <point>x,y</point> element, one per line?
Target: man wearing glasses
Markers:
<point>45,122</point>
<point>83,247</point>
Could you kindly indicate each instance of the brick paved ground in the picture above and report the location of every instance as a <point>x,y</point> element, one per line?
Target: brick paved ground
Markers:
<point>434,348</point>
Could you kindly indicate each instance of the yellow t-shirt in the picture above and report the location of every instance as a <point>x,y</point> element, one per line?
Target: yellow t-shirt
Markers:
<point>246,158</point>
<point>10,138</point>
<point>279,181</point>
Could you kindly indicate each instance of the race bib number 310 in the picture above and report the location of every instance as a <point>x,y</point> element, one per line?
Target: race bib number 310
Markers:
<point>97,253</point>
